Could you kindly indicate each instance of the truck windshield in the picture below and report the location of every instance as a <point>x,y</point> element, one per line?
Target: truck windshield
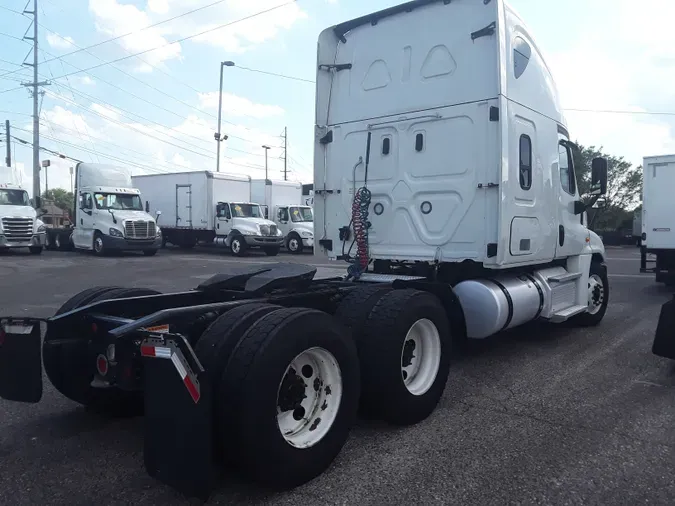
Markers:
<point>13,197</point>
<point>119,202</point>
<point>300,214</point>
<point>246,211</point>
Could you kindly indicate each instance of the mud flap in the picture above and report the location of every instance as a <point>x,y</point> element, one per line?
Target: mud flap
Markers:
<point>20,360</point>
<point>178,425</point>
<point>664,341</point>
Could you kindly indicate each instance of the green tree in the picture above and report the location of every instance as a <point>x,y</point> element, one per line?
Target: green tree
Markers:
<point>624,186</point>
<point>62,199</point>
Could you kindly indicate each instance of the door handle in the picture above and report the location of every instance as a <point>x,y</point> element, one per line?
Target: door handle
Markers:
<point>81,221</point>
<point>561,235</point>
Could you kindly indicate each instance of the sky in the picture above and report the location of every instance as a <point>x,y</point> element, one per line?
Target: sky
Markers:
<point>157,112</point>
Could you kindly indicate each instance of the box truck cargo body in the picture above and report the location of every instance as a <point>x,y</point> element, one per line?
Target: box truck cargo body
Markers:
<point>658,216</point>
<point>210,207</point>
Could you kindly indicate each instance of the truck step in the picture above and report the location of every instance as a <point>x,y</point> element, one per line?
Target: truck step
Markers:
<point>369,277</point>
<point>565,314</point>
<point>564,278</point>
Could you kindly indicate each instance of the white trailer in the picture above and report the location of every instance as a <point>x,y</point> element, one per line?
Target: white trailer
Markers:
<point>283,203</point>
<point>658,217</point>
<point>210,207</point>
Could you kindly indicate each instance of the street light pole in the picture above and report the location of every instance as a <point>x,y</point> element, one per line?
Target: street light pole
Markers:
<point>266,148</point>
<point>218,136</point>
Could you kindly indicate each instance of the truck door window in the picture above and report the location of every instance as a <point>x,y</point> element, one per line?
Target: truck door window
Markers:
<point>525,164</point>
<point>567,179</point>
<point>521,56</point>
<point>224,211</point>
<point>283,214</point>
<point>86,202</point>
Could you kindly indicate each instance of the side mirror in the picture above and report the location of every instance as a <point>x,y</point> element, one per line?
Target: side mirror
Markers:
<point>38,202</point>
<point>579,207</point>
<point>157,215</point>
<point>147,206</point>
<point>599,176</point>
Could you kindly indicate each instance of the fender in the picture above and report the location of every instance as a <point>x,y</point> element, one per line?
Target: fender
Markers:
<point>595,246</point>
<point>233,233</point>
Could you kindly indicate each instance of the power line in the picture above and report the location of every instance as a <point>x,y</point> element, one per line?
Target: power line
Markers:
<point>188,37</point>
<point>275,74</point>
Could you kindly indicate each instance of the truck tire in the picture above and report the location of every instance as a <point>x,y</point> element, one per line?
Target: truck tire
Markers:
<point>294,243</point>
<point>48,241</point>
<point>354,308</point>
<point>289,396</point>
<point>598,297</point>
<point>271,251</point>
<point>238,246</point>
<point>35,250</point>
<point>57,241</point>
<point>405,357</point>
<point>98,246</point>
<point>214,347</point>
<point>68,368</point>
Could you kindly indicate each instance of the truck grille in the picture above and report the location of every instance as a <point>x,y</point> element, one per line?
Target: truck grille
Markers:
<point>269,230</point>
<point>139,229</point>
<point>18,229</point>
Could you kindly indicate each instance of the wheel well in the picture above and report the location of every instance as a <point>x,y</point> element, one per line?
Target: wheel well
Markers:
<point>597,257</point>
<point>450,302</point>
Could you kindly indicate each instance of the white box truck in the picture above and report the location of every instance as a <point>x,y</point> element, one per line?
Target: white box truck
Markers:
<point>210,207</point>
<point>282,201</point>
<point>658,217</point>
<point>444,176</point>
<point>107,214</point>
<point>20,226</point>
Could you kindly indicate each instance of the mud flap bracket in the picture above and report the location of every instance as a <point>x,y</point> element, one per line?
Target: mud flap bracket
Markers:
<point>178,447</point>
<point>20,360</point>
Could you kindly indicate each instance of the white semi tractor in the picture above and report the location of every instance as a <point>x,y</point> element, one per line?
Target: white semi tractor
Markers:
<point>443,174</point>
<point>282,202</point>
<point>107,214</point>
<point>20,226</point>
<point>211,207</point>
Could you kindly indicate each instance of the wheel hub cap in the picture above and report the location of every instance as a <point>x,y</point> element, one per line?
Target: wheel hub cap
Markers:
<point>421,357</point>
<point>596,294</point>
<point>308,399</point>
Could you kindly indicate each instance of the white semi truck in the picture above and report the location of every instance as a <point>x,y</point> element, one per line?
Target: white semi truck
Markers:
<point>107,214</point>
<point>211,207</point>
<point>282,202</point>
<point>20,226</point>
<point>444,176</point>
<point>658,217</point>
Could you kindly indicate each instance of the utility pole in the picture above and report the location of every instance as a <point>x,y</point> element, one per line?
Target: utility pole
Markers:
<point>266,148</point>
<point>36,112</point>
<point>71,180</point>
<point>8,158</point>
<point>285,153</point>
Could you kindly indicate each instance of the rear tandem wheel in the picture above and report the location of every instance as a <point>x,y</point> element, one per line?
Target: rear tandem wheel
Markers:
<point>71,367</point>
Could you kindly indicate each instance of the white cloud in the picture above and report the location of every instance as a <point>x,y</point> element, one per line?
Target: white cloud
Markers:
<point>58,42</point>
<point>86,80</point>
<point>116,19</point>
<point>113,18</point>
<point>238,106</point>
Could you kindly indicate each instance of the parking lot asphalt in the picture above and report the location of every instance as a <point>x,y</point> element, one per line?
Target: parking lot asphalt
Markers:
<point>537,415</point>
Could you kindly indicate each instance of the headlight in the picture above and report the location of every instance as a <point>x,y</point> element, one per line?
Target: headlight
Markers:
<point>306,234</point>
<point>115,233</point>
<point>159,232</point>
<point>250,232</point>
<point>279,233</point>
<point>41,229</point>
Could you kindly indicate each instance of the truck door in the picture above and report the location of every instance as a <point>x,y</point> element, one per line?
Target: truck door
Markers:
<point>223,219</point>
<point>571,237</point>
<point>282,218</point>
<point>83,235</point>
<point>184,205</point>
